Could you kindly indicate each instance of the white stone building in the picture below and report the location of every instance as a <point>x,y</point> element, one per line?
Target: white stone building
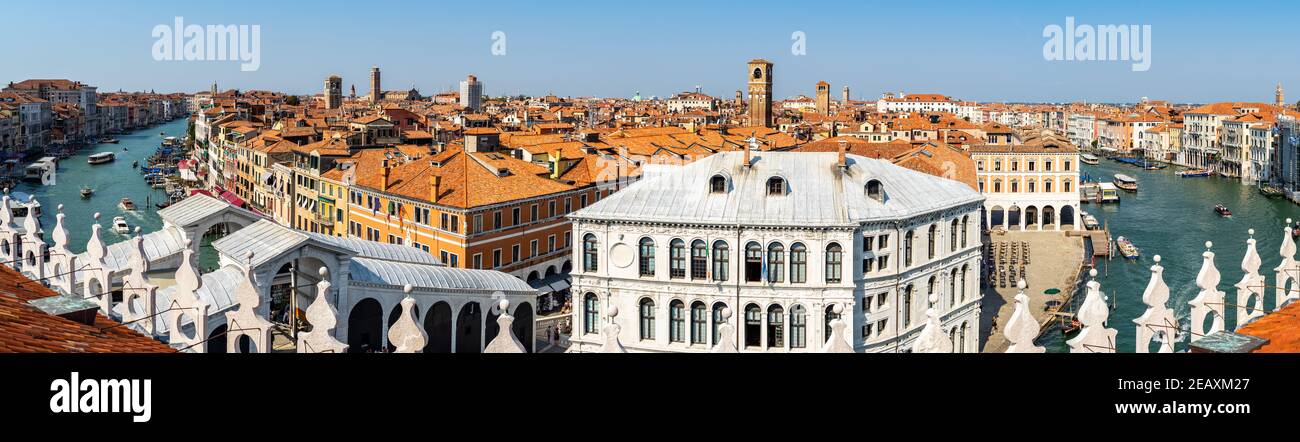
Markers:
<point>782,239</point>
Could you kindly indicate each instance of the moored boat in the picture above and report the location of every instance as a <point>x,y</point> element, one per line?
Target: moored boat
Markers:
<point>1127,249</point>
<point>1194,173</point>
<point>1270,191</point>
<point>1108,193</point>
<point>1088,158</point>
<point>1126,182</point>
<point>109,141</point>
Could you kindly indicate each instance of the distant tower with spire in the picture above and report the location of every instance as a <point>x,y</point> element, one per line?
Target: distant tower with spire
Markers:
<point>1281,99</point>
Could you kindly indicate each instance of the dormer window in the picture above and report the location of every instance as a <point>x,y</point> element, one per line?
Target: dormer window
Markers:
<point>775,186</point>
<point>718,184</point>
<point>876,190</point>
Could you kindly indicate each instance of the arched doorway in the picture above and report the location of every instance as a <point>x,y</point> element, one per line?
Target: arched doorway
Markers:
<point>1049,217</point>
<point>1031,217</point>
<point>523,326</point>
<point>469,329</point>
<point>1013,218</point>
<point>437,324</point>
<point>997,217</point>
<point>1067,216</point>
<point>365,329</point>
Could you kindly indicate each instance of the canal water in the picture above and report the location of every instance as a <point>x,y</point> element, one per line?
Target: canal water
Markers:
<point>111,181</point>
<point>1173,217</point>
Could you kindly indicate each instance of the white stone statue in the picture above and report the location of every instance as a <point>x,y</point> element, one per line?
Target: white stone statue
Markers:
<point>610,332</point>
<point>323,317</point>
<point>33,245</point>
<point>1287,273</point>
<point>186,303</point>
<point>1209,302</point>
<point>406,334</point>
<point>1095,337</point>
<point>1022,329</point>
<point>137,288</point>
<point>64,278</point>
<point>505,340</point>
<point>1250,290</point>
<point>932,338</point>
<point>246,319</point>
<point>838,342</point>
<point>96,270</point>
<point>1158,319</point>
<point>726,334</point>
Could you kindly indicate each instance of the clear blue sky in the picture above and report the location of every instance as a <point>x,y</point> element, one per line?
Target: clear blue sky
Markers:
<point>988,51</point>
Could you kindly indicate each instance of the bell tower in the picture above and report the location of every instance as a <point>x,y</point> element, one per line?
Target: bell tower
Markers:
<point>760,93</point>
<point>1281,99</point>
<point>823,98</point>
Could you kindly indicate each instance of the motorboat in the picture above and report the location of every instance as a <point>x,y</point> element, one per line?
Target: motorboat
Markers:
<point>135,164</point>
<point>1270,192</point>
<point>1088,158</point>
<point>1194,173</point>
<point>126,204</point>
<point>1127,249</point>
<point>1125,182</point>
<point>1222,210</point>
<point>101,158</point>
<point>109,141</point>
<point>86,192</point>
<point>120,226</point>
<point>1090,222</point>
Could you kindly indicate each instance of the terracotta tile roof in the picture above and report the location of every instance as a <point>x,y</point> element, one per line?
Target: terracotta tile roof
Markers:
<point>26,329</point>
<point>1280,328</point>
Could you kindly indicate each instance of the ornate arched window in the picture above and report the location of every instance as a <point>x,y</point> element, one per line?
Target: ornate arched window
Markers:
<point>775,326</point>
<point>907,306</point>
<point>721,260</point>
<point>776,186</point>
<point>753,326</point>
<point>876,190</point>
<point>961,294</point>
<point>699,260</point>
<point>591,314</point>
<point>952,289</point>
<point>718,184</point>
<point>647,319</point>
<point>677,259</point>
<point>589,259</point>
<point>775,262</point>
<point>677,321</point>
<point>798,263</point>
<point>753,262</point>
<point>907,248</point>
<point>699,323</point>
<point>798,327</point>
<point>933,241</point>
<point>952,236</point>
<point>834,262</point>
<point>647,259</point>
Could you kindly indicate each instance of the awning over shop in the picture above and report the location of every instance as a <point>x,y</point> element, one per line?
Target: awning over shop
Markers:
<point>232,199</point>
<point>551,284</point>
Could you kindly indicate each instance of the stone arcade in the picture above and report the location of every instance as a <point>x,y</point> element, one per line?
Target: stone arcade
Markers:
<point>352,291</point>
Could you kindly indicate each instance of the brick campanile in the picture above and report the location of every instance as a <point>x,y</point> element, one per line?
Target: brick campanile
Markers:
<point>760,93</point>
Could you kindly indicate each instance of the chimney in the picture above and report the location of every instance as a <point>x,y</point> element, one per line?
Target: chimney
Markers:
<point>843,148</point>
<point>386,173</point>
<point>747,163</point>
<point>434,183</point>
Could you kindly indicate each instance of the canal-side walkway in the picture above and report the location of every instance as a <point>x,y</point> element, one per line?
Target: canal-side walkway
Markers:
<point>1054,262</point>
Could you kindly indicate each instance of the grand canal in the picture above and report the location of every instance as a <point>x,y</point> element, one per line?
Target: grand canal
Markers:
<point>1172,217</point>
<point>111,181</point>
